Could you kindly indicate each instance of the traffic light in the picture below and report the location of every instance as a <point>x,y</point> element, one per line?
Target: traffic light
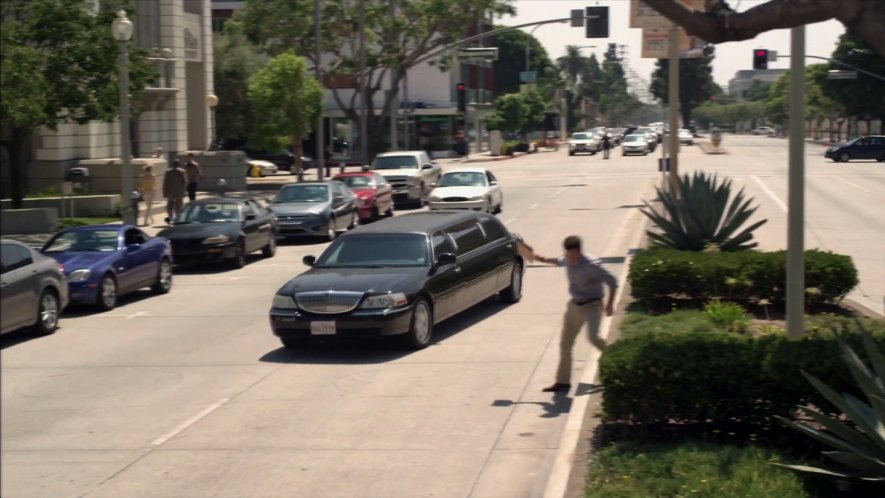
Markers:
<point>598,27</point>
<point>760,58</point>
<point>462,97</point>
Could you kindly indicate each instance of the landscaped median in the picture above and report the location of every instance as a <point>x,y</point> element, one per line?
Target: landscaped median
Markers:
<point>702,365</point>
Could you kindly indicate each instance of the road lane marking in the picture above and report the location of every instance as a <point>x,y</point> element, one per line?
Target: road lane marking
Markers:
<point>533,206</point>
<point>771,194</point>
<point>851,183</point>
<point>130,316</point>
<point>511,220</point>
<point>554,194</point>
<point>189,422</point>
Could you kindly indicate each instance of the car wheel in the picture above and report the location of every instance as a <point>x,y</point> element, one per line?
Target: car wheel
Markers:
<point>422,197</point>
<point>164,278</point>
<point>270,249</point>
<point>500,207</point>
<point>389,213</point>
<point>488,209</point>
<point>513,293</point>
<point>881,158</point>
<point>239,259</point>
<point>353,221</point>
<point>844,157</point>
<point>571,153</point>
<point>421,326</point>
<point>331,233</point>
<point>107,293</point>
<point>48,310</point>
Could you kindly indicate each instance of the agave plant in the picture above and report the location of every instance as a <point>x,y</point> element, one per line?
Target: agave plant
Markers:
<point>701,217</point>
<point>860,445</point>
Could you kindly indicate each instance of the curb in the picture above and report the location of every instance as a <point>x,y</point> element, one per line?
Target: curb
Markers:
<point>709,148</point>
<point>496,158</point>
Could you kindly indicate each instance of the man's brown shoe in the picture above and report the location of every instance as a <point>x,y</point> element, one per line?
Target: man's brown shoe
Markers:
<point>557,388</point>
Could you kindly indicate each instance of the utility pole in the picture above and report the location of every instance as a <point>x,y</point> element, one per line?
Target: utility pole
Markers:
<point>673,98</point>
<point>319,149</point>
<point>796,188</point>
<point>394,113</point>
<point>364,139</point>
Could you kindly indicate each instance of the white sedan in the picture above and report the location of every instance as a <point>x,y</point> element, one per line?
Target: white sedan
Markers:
<point>635,144</point>
<point>263,168</point>
<point>467,188</point>
<point>583,142</point>
<point>685,137</point>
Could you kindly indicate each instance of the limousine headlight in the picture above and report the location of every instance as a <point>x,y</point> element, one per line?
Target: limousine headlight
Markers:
<point>284,302</point>
<point>216,239</point>
<point>384,301</point>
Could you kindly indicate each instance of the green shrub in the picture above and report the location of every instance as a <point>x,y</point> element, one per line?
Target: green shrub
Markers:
<point>661,273</point>
<point>729,316</point>
<point>698,376</point>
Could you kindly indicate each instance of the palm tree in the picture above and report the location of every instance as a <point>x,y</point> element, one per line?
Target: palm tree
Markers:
<point>572,64</point>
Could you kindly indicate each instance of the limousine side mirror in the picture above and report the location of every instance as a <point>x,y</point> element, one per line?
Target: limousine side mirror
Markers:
<point>309,260</point>
<point>427,166</point>
<point>446,258</point>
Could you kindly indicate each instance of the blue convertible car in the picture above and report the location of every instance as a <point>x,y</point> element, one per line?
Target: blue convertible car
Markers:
<point>103,262</point>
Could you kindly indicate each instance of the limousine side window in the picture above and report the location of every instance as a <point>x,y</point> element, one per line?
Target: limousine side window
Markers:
<point>493,228</point>
<point>468,236</point>
<point>441,243</point>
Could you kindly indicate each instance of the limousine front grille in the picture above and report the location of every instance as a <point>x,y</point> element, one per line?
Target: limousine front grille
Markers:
<point>328,302</point>
<point>454,199</point>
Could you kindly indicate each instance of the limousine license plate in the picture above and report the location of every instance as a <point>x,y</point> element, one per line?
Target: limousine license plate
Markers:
<point>322,328</point>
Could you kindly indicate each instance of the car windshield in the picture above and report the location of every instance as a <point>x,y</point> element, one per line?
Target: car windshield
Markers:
<point>356,182</point>
<point>580,136</point>
<point>395,162</point>
<point>632,138</point>
<point>302,193</point>
<point>209,212</point>
<point>462,179</point>
<point>375,251</point>
<point>83,240</point>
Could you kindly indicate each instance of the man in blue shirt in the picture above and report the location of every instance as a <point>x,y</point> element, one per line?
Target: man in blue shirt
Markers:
<point>585,285</point>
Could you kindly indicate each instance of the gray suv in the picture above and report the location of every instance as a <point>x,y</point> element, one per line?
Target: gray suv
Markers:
<point>34,289</point>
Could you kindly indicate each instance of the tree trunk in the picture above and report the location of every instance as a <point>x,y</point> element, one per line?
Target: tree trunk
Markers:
<point>298,152</point>
<point>14,147</point>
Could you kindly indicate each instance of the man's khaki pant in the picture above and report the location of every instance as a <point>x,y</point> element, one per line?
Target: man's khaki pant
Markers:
<point>575,317</point>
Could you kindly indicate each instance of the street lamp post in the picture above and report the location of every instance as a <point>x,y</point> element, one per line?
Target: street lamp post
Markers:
<point>121,28</point>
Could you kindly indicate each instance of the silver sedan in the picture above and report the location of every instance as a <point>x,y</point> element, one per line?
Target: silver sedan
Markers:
<point>34,289</point>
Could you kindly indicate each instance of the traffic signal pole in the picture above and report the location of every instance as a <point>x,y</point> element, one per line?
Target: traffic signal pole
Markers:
<point>673,99</point>
<point>796,188</point>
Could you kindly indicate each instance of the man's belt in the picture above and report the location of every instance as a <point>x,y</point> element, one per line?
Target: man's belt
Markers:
<point>583,303</point>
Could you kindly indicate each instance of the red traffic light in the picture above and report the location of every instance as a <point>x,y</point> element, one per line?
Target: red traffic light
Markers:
<point>761,53</point>
<point>461,87</point>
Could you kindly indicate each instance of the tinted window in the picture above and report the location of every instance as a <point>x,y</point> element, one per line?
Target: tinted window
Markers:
<point>580,136</point>
<point>467,236</point>
<point>14,257</point>
<point>462,179</point>
<point>395,162</point>
<point>356,182</point>
<point>209,212</point>
<point>303,193</point>
<point>135,236</point>
<point>494,229</point>
<point>376,250</point>
<point>441,243</point>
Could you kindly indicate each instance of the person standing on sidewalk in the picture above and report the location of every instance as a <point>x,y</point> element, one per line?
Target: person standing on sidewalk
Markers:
<point>174,187</point>
<point>585,280</point>
<point>147,188</point>
<point>194,175</point>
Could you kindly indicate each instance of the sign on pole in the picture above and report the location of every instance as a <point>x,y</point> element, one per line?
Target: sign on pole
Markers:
<point>478,54</point>
<point>643,16</point>
<point>528,76</point>
<point>656,43</point>
<point>835,74</point>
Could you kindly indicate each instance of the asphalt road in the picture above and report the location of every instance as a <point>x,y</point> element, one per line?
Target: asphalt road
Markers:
<point>190,395</point>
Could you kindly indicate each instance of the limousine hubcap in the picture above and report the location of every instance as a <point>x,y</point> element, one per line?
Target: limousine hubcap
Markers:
<point>422,323</point>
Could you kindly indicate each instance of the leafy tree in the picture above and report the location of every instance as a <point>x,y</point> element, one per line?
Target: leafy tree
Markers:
<point>695,82</point>
<point>511,59</point>
<point>615,101</point>
<point>236,60</point>
<point>534,111</point>
<point>509,114</point>
<point>289,101</point>
<point>863,97</point>
<point>395,42</point>
<point>817,102</point>
<point>59,65</point>
<point>721,24</point>
<point>758,91</point>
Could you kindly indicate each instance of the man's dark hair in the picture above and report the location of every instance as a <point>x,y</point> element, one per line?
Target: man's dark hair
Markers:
<point>572,242</point>
<point>176,163</point>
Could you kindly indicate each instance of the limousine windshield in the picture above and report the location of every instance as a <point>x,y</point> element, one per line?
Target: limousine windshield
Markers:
<point>376,251</point>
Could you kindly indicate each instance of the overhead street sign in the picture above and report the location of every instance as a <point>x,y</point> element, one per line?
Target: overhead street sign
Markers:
<point>478,54</point>
<point>834,74</point>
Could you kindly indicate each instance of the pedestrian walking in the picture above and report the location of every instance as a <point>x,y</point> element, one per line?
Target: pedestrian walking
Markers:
<point>461,145</point>
<point>586,277</point>
<point>174,189</point>
<point>606,145</point>
<point>194,175</point>
<point>147,189</point>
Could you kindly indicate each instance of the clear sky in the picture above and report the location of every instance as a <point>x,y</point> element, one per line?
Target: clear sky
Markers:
<point>821,38</point>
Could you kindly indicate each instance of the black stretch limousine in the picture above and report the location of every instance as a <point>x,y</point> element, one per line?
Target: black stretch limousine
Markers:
<point>399,276</point>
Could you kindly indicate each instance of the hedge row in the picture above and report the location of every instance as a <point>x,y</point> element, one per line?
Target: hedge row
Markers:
<point>698,376</point>
<point>659,273</point>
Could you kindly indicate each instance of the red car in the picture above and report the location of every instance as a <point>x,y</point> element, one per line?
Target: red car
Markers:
<point>374,195</point>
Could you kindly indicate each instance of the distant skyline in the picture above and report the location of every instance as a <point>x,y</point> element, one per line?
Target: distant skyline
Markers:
<point>820,38</point>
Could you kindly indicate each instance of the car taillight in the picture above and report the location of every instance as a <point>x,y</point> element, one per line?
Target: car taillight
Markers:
<point>61,268</point>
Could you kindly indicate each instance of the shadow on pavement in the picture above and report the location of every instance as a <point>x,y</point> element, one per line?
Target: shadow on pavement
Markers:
<point>356,351</point>
<point>560,404</point>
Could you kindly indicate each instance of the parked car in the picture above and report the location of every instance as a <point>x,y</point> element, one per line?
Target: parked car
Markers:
<point>583,142</point>
<point>410,173</point>
<point>685,137</point>
<point>33,289</point>
<point>283,159</point>
<point>315,209</point>
<point>104,262</point>
<point>467,188</point>
<point>374,196</point>
<point>264,168</point>
<point>867,147</point>
<point>763,130</point>
<point>651,137</point>
<point>222,229</point>
<point>635,144</point>
<point>401,275</point>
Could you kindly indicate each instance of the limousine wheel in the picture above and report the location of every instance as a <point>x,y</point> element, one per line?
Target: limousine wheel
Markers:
<point>421,328</point>
<point>513,293</point>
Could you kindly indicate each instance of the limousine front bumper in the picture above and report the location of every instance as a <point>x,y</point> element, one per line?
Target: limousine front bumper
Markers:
<point>294,324</point>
